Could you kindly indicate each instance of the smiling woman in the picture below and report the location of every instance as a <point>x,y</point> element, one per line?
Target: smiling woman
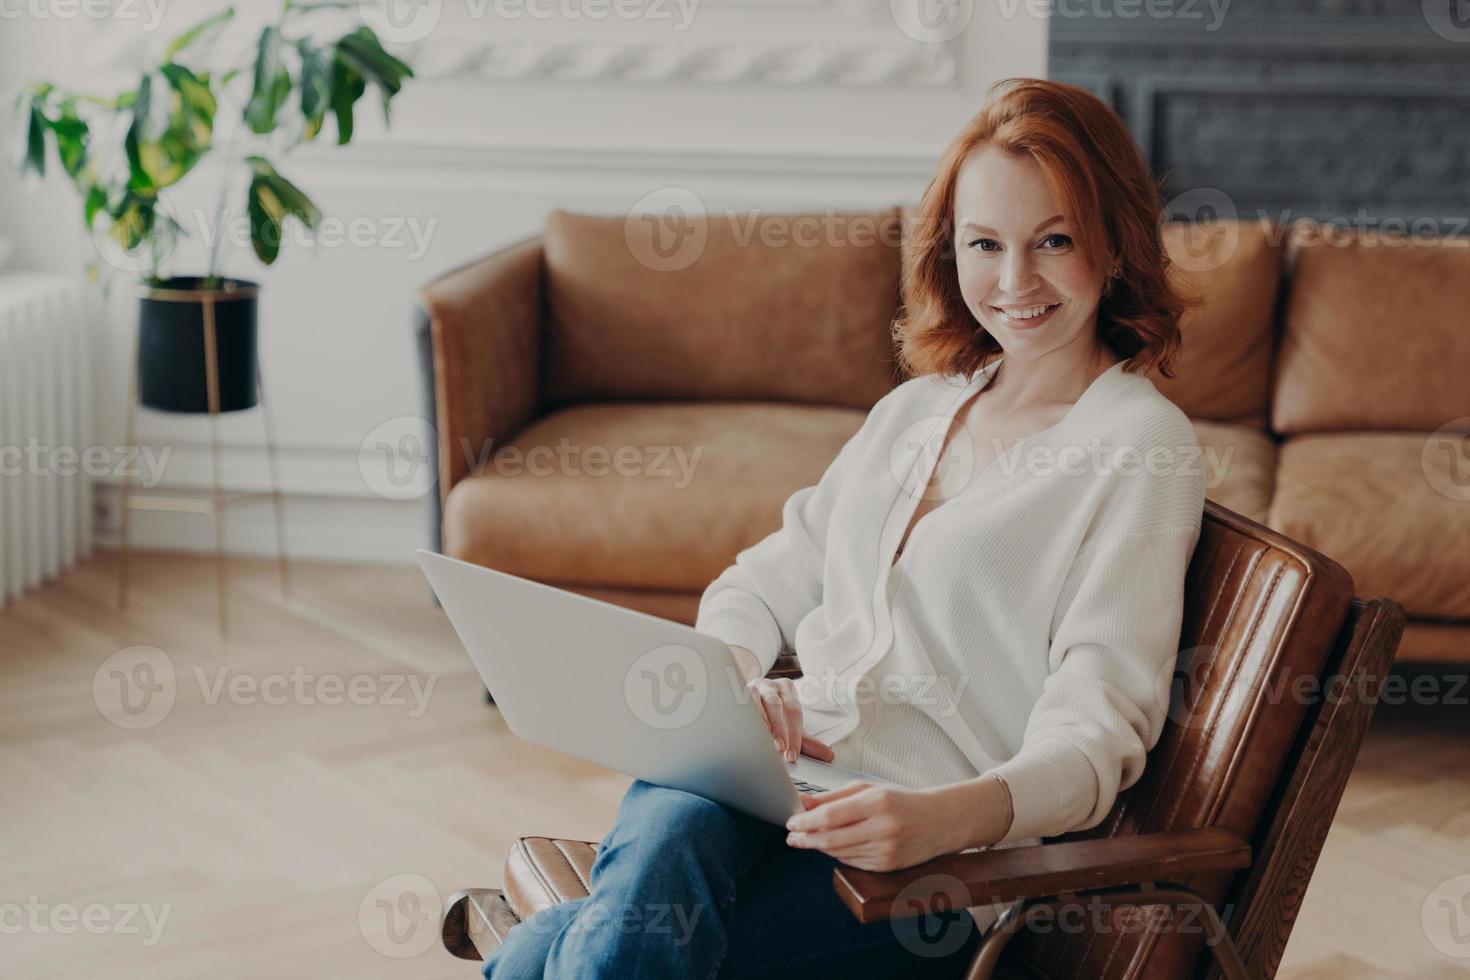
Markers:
<point>1058,170</point>
<point>1004,681</point>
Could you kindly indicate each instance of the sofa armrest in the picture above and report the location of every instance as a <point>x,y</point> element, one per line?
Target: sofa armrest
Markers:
<point>984,877</point>
<point>485,324</point>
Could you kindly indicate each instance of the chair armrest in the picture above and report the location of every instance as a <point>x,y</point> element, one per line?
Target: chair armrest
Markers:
<point>984,877</point>
<point>485,324</point>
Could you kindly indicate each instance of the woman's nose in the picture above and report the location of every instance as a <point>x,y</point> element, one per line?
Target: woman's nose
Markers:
<point>1018,275</point>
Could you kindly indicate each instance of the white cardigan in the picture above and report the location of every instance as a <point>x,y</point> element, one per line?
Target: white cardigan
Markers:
<point>1029,628</point>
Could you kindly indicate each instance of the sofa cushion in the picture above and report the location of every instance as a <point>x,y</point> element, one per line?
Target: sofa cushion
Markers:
<point>642,495</point>
<point>1378,503</point>
<point>1223,372</point>
<point>742,306</point>
<point>1429,642</point>
<point>1240,466</point>
<point>1376,335</point>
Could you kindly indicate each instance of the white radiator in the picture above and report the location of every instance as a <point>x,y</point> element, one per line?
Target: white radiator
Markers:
<point>45,428</point>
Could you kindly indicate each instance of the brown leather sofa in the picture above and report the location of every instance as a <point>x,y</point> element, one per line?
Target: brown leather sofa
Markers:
<point>1328,377</point>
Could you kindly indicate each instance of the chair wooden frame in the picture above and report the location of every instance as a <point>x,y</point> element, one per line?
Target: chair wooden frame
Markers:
<point>1267,875</point>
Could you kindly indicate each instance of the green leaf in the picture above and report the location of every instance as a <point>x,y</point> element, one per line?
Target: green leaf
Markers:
<point>192,34</point>
<point>270,202</point>
<point>134,217</point>
<point>196,100</point>
<point>136,140</point>
<point>95,202</point>
<point>72,136</point>
<point>272,83</point>
<point>364,54</point>
<point>32,136</point>
<point>316,86</point>
<point>347,88</point>
<point>172,127</point>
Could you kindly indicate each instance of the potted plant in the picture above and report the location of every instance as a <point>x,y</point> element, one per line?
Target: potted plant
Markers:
<point>123,154</point>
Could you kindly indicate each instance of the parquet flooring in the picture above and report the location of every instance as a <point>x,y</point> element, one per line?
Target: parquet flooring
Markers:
<point>270,832</point>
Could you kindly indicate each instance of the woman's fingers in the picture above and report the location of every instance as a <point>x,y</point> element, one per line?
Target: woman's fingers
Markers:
<point>820,751</point>
<point>775,713</point>
<point>781,719</point>
<point>851,835</point>
<point>760,703</point>
<point>781,709</point>
<point>835,808</point>
<point>791,708</point>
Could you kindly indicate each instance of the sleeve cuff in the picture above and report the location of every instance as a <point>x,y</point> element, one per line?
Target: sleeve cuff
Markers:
<point>742,621</point>
<point>1053,787</point>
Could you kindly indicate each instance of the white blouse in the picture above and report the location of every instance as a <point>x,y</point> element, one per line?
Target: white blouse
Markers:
<point>1031,625</point>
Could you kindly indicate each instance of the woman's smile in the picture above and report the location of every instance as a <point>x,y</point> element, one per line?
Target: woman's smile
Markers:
<point>1026,317</point>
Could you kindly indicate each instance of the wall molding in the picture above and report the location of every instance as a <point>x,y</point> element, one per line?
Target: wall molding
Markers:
<point>865,58</point>
<point>317,528</point>
<point>736,62</point>
<point>737,159</point>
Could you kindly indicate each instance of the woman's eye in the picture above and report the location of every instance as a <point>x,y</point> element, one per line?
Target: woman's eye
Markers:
<point>1056,241</point>
<point>986,244</point>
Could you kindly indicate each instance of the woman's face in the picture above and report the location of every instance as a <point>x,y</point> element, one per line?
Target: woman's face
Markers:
<point>1020,270</point>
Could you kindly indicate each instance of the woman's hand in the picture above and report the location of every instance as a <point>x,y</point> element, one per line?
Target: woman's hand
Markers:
<point>782,712</point>
<point>780,709</point>
<point>885,828</point>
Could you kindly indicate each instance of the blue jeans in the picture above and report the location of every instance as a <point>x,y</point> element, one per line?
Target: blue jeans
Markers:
<point>685,887</point>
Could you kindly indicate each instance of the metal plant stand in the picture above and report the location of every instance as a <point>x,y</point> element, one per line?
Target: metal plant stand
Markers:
<point>215,500</point>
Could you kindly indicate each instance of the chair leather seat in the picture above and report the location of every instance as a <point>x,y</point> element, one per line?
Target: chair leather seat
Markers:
<point>543,871</point>
<point>645,523</point>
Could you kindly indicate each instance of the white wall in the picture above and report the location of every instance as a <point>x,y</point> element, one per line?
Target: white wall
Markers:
<point>772,104</point>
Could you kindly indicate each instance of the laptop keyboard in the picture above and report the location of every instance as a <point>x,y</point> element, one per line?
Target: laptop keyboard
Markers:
<point>805,787</point>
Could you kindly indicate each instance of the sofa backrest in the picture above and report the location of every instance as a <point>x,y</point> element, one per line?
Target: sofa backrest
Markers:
<point>798,307</point>
<point>1376,333</point>
<point>1223,373</point>
<point>749,306</point>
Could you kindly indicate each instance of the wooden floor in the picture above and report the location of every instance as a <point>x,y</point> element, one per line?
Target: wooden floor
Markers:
<point>242,825</point>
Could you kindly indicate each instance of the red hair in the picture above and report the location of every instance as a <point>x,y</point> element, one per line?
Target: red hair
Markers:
<point>1095,169</point>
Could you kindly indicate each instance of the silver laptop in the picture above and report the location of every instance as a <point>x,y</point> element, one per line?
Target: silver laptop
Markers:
<point>642,695</point>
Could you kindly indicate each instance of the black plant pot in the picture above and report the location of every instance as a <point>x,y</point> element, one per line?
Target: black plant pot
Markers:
<point>172,369</point>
